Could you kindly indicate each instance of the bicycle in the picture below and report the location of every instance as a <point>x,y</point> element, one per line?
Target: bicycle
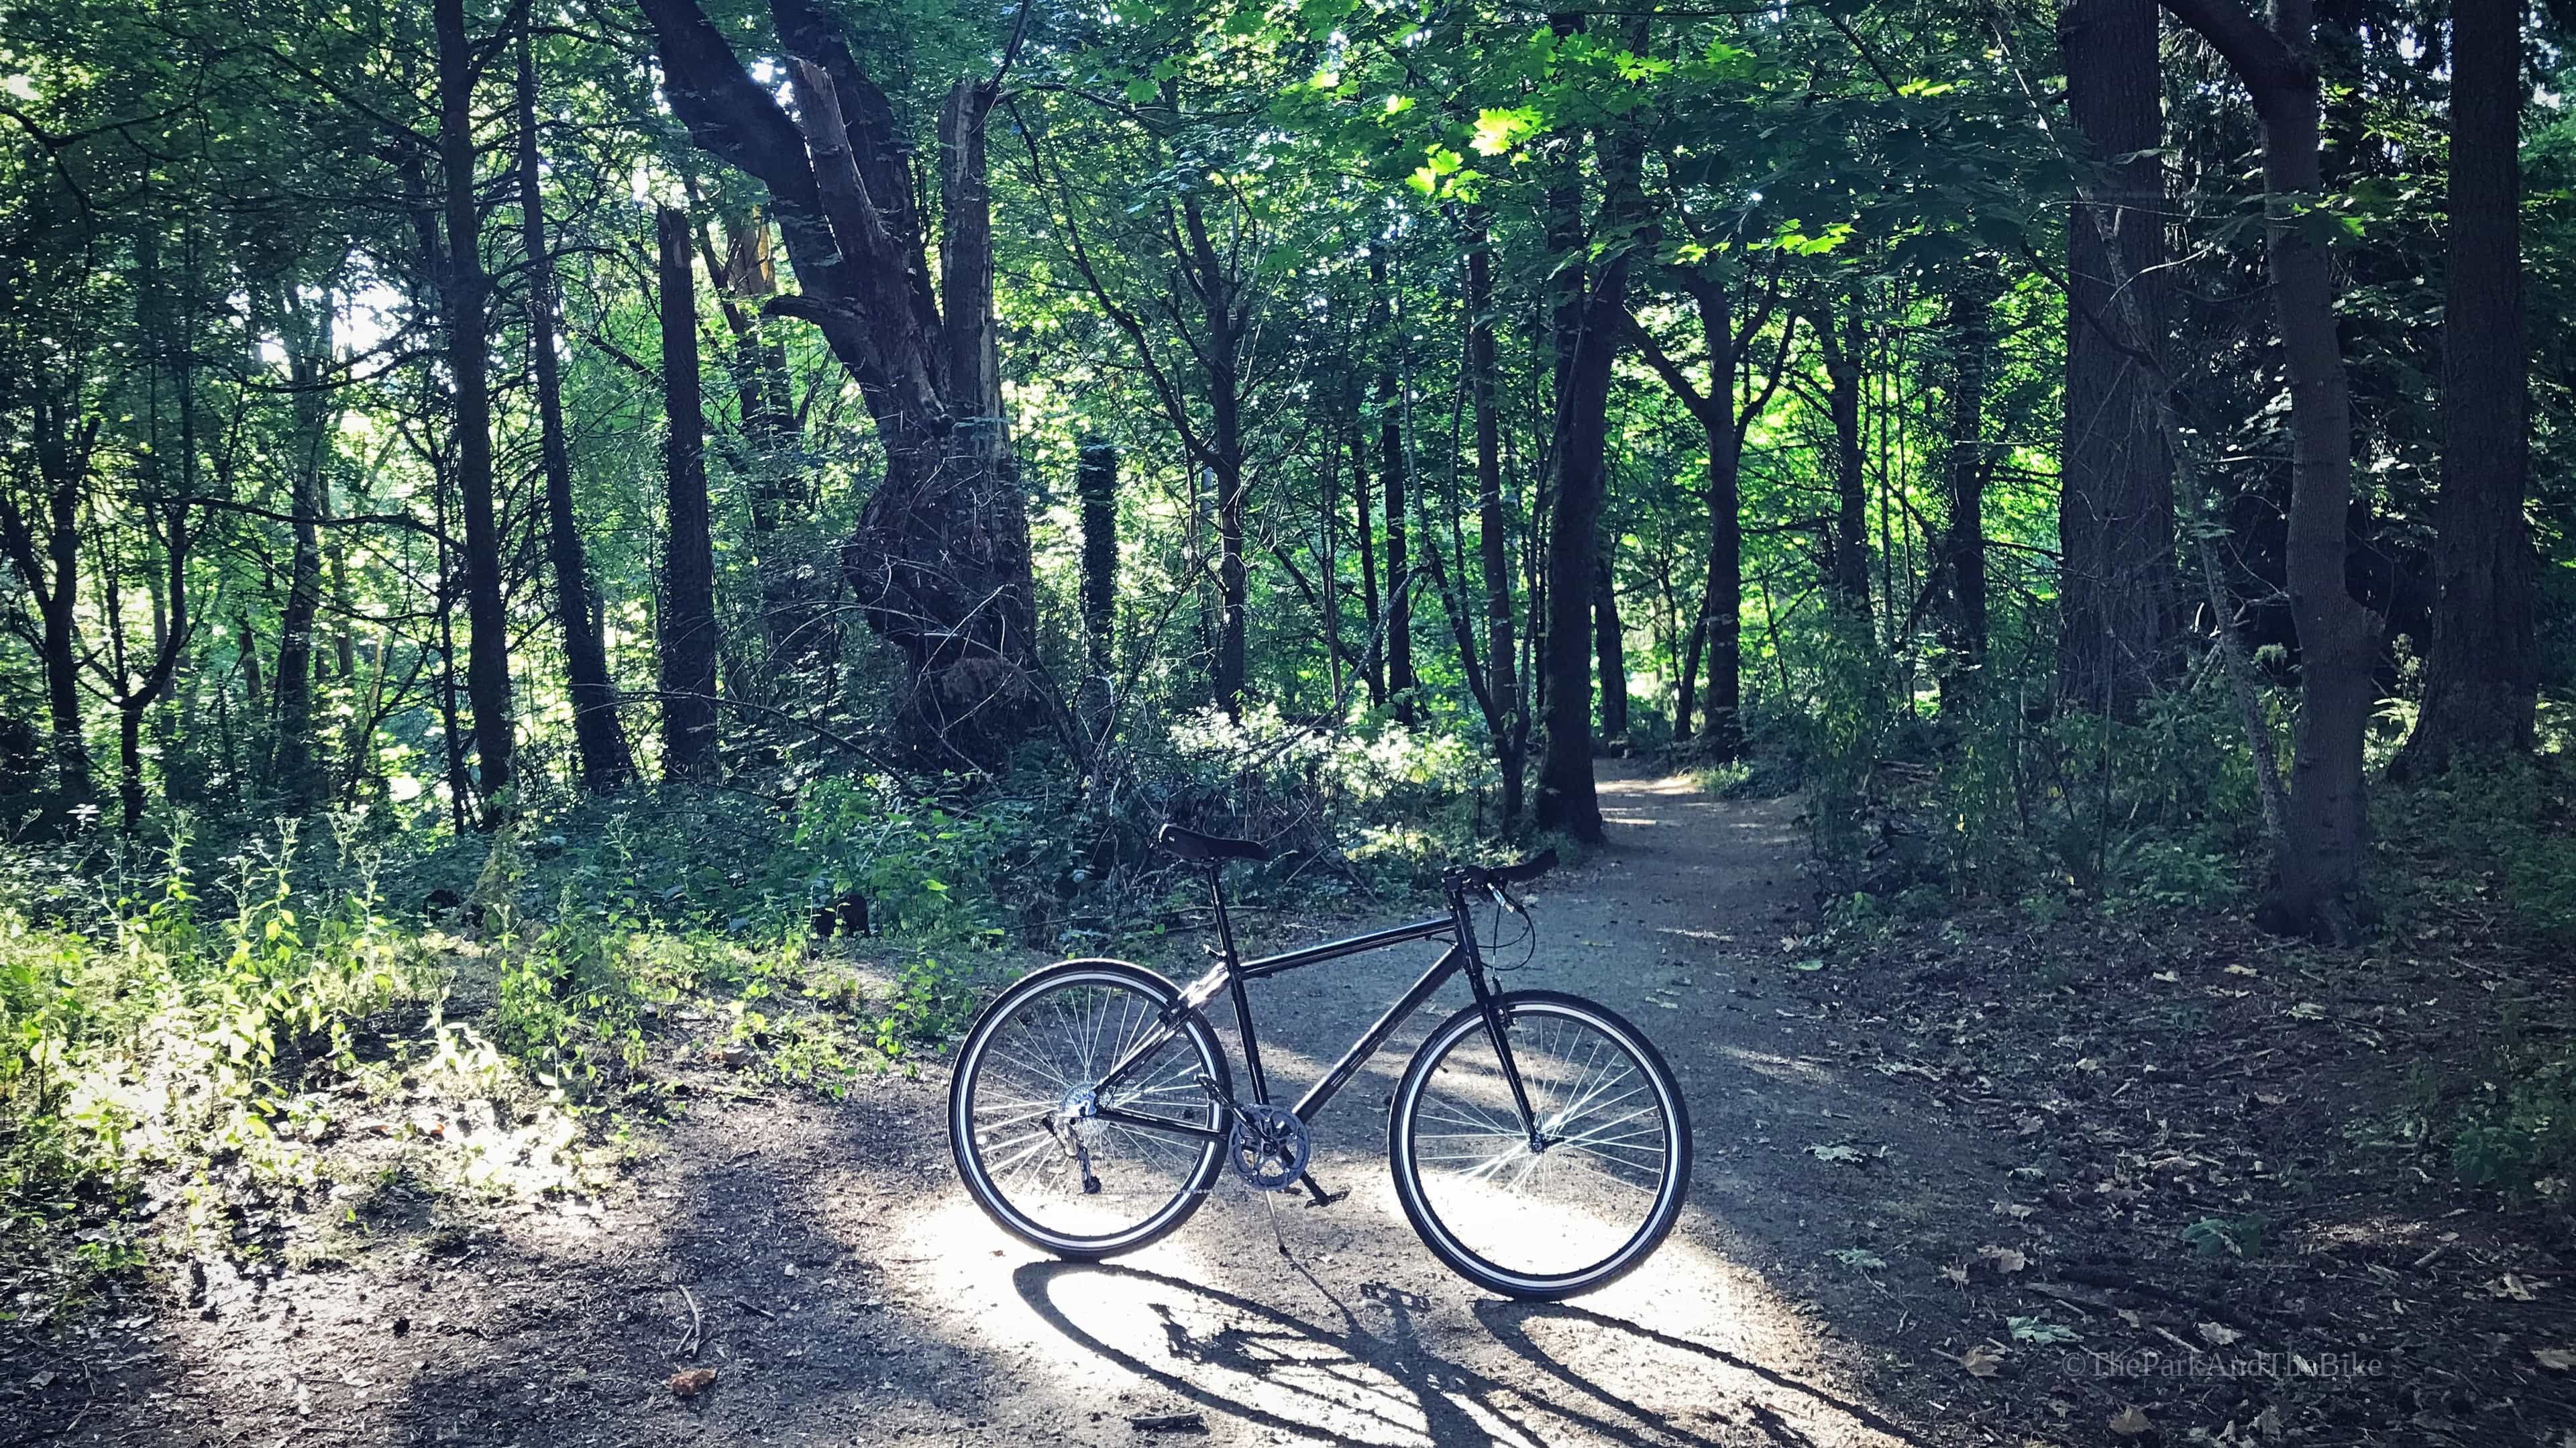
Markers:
<point>1539,1143</point>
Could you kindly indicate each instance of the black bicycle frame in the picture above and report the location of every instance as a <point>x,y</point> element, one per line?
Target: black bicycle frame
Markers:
<point>1232,972</point>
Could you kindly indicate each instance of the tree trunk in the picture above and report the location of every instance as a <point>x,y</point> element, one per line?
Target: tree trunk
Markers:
<point>2117,590</point>
<point>1963,542</point>
<point>1493,534</point>
<point>940,558</point>
<point>1394,478</point>
<point>1095,482</point>
<point>464,293</point>
<point>598,736</point>
<point>1851,480</point>
<point>2318,889</point>
<point>1591,318</point>
<point>1724,424</point>
<point>687,619</point>
<point>50,569</point>
<point>1373,656</point>
<point>1225,458</point>
<point>795,617</point>
<point>1609,640</point>
<point>292,770</point>
<point>2481,676</point>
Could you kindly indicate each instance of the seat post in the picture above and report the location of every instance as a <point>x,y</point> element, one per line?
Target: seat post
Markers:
<point>1224,923</point>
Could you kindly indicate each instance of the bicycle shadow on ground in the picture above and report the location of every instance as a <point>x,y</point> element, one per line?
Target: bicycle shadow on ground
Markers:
<point>1521,1326</point>
<point>1348,1379</point>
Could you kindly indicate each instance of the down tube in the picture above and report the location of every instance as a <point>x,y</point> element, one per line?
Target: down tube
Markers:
<point>1343,1069</point>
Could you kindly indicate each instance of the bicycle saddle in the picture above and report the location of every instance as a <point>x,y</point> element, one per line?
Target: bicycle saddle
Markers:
<point>1200,849</point>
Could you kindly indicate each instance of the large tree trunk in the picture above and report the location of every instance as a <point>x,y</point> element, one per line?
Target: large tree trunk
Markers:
<point>2481,678</point>
<point>1591,318</point>
<point>2117,591</point>
<point>2319,882</point>
<point>598,736</point>
<point>292,770</point>
<point>940,558</point>
<point>689,639</point>
<point>1493,536</point>
<point>464,294</point>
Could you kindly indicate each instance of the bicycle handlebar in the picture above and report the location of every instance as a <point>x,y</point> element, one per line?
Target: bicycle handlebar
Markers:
<point>1494,877</point>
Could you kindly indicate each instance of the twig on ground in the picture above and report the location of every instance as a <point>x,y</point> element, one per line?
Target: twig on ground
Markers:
<point>688,1343</point>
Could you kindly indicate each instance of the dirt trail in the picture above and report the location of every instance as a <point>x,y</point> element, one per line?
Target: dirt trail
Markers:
<point>844,1290</point>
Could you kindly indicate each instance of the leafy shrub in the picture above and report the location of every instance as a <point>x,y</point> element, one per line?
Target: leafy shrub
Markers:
<point>2519,1135</point>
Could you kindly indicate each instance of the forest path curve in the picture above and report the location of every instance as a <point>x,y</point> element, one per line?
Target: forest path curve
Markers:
<point>845,1291</point>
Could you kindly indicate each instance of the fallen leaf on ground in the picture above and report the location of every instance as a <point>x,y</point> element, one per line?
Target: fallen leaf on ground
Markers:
<point>1957,1276</point>
<point>2556,1359</point>
<point>1983,1361</point>
<point>2217,1336</point>
<point>2006,1260</point>
<point>2129,1422</point>
<point>690,1382</point>
<point>2268,1422</point>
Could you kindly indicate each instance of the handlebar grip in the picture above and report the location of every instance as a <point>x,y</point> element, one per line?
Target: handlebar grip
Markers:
<point>1529,869</point>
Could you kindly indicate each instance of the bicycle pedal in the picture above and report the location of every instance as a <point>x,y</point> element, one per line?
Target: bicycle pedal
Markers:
<point>1319,1196</point>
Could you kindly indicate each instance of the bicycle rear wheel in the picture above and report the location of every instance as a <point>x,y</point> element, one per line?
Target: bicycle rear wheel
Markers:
<point>1027,1147</point>
<point>1567,1208</point>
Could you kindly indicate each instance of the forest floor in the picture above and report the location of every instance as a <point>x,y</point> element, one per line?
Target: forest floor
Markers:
<point>1982,1183</point>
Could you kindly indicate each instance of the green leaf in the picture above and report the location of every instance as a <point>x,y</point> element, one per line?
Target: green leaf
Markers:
<point>1499,130</point>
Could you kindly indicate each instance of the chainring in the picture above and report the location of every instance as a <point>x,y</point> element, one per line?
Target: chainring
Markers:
<point>1270,1148</point>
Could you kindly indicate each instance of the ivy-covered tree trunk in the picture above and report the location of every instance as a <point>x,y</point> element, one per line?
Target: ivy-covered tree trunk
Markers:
<point>598,736</point>
<point>2117,589</point>
<point>940,558</point>
<point>689,638</point>
<point>2481,675</point>
<point>465,292</point>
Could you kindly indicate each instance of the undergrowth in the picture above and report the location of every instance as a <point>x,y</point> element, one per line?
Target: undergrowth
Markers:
<point>284,1014</point>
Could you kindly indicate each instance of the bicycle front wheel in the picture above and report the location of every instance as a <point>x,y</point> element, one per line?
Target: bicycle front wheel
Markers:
<point>1578,1196</point>
<point>1021,1109</point>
